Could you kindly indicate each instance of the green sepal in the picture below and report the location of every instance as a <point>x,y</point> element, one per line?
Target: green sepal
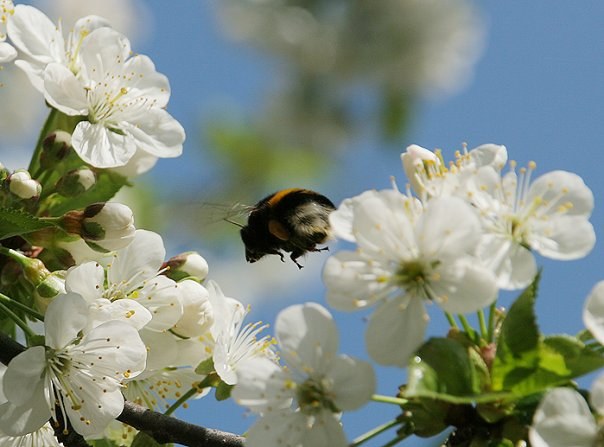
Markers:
<point>223,391</point>
<point>205,367</point>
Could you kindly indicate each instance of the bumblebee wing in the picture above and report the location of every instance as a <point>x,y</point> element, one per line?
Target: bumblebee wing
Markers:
<point>230,212</point>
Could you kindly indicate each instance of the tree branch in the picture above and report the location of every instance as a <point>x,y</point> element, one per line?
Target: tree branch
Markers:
<point>162,428</point>
<point>165,429</point>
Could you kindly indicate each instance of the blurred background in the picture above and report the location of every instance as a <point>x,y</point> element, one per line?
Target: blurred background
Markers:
<point>326,94</point>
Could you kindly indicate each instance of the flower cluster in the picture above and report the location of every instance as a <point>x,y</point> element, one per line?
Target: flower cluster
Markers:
<point>468,231</point>
<point>91,74</point>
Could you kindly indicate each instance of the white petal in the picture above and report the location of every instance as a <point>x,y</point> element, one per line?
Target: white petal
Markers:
<point>383,225</point>
<point>448,227</point>
<point>285,428</point>
<point>146,81</point>
<point>118,344</point>
<point>29,417</point>
<point>558,188</point>
<point>489,155</point>
<point>98,409</point>
<point>353,382</point>
<point>64,91</point>
<point>596,394</point>
<point>35,35</point>
<point>340,221</point>
<point>562,237</point>
<point>157,133</point>
<point>513,265</point>
<point>161,347</point>
<point>65,317</point>
<point>140,260</point>
<point>161,296</point>
<point>353,282</point>
<point>124,310</point>
<point>34,72</point>
<point>197,317</point>
<point>308,337</point>
<point>101,147</point>
<point>23,375</point>
<point>103,51</point>
<point>464,286</point>
<point>7,53</point>
<point>86,279</point>
<point>395,330</point>
<point>262,385</point>
<point>138,164</point>
<point>563,419</point>
<point>593,312</point>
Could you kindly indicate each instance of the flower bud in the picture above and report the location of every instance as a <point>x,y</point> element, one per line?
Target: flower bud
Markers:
<point>189,264</point>
<point>76,182</point>
<point>198,315</point>
<point>23,186</point>
<point>105,226</point>
<point>55,147</point>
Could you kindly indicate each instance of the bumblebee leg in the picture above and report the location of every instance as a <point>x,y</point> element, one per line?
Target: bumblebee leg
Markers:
<point>294,256</point>
<point>315,249</point>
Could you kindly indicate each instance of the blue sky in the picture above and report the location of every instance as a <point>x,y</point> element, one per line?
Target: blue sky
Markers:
<point>538,89</point>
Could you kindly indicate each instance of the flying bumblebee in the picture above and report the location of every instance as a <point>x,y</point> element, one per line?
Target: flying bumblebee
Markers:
<point>292,220</point>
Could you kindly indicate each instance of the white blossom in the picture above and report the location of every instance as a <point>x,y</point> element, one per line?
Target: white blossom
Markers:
<point>7,51</point>
<point>300,404</point>
<point>79,372</point>
<point>405,257</point>
<point>123,98</point>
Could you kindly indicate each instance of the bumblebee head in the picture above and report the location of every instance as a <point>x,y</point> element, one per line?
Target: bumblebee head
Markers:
<point>253,251</point>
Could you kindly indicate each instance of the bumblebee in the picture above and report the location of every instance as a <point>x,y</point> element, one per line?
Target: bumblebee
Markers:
<point>292,220</point>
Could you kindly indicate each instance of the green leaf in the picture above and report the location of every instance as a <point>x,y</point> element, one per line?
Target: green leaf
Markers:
<point>142,439</point>
<point>16,222</point>
<point>107,185</point>
<point>102,443</point>
<point>443,369</point>
<point>577,359</point>
<point>518,343</point>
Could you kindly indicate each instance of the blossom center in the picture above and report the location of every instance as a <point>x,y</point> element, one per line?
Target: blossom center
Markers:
<point>313,396</point>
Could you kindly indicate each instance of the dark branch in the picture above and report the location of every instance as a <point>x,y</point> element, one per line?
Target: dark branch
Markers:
<point>165,429</point>
<point>162,428</point>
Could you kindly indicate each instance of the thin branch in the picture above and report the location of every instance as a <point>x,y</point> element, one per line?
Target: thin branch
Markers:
<point>163,429</point>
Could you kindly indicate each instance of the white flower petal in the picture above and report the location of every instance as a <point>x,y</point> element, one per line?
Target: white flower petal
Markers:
<point>103,51</point>
<point>513,265</point>
<point>296,430</point>
<point>464,286</point>
<point>395,330</point>
<point>563,419</point>
<point>101,147</point>
<point>147,82</point>
<point>139,260</point>
<point>596,394</point>
<point>353,282</point>
<point>559,188</point>
<point>261,386</point>
<point>7,53</point>
<point>593,312</point>
<point>493,155</point>
<point>162,349</point>
<point>157,133</point>
<point>308,337</point>
<point>35,35</point>
<point>86,279</point>
<point>64,91</point>
<point>124,310</point>
<point>65,317</point>
<point>138,164</point>
<point>562,237</point>
<point>161,297</point>
<point>448,227</point>
<point>24,419</point>
<point>353,382</point>
<point>23,376</point>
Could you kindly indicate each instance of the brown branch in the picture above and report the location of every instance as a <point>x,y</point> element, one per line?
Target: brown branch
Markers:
<point>166,429</point>
<point>162,428</point>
